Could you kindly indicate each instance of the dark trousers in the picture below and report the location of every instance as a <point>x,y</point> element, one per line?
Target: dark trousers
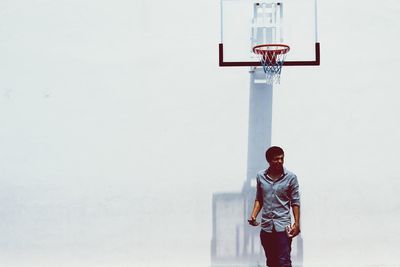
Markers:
<point>277,247</point>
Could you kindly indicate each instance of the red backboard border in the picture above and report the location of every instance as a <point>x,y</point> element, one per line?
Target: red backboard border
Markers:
<point>222,63</point>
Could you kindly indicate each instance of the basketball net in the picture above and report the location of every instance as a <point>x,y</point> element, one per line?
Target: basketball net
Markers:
<point>272,57</point>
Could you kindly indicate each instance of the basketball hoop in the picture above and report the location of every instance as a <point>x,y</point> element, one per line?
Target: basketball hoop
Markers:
<point>272,57</point>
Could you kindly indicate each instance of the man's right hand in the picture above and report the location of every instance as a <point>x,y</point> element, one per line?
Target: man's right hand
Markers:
<point>252,221</point>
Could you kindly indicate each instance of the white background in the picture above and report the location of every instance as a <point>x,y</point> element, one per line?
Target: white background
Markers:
<point>117,126</point>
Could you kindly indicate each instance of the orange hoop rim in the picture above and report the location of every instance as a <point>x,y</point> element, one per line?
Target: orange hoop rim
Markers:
<point>271,49</point>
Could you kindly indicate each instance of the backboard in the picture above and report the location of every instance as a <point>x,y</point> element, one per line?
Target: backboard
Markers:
<point>247,23</point>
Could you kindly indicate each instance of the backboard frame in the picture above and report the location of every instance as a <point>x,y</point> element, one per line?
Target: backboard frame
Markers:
<point>222,63</point>
<point>311,60</point>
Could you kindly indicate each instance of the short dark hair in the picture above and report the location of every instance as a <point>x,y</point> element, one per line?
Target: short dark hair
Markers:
<point>272,152</point>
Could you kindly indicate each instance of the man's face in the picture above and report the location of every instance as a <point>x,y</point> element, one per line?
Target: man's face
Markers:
<point>276,162</point>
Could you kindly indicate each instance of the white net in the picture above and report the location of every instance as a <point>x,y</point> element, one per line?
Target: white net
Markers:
<point>272,58</point>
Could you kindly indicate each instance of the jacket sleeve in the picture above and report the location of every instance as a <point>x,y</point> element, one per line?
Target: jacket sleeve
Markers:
<point>294,192</point>
<point>259,192</point>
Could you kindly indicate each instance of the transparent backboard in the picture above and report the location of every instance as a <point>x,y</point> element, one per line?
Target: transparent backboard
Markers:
<point>246,23</point>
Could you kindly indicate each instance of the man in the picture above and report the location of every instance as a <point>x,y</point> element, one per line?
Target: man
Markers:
<point>277,192</point>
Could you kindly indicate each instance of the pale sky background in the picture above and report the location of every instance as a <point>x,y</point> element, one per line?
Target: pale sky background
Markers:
<point>117,126</point>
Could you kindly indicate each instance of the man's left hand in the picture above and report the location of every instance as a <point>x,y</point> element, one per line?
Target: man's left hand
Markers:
<point>294,230</point>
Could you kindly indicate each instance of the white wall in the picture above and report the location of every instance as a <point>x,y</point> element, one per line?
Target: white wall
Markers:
<point>117,126</point>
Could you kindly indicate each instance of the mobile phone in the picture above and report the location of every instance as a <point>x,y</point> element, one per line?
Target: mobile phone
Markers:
<point>253,222</point>
<point>288,228</point>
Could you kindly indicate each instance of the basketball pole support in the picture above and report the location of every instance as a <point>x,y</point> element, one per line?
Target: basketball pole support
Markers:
<point>259,139</point>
